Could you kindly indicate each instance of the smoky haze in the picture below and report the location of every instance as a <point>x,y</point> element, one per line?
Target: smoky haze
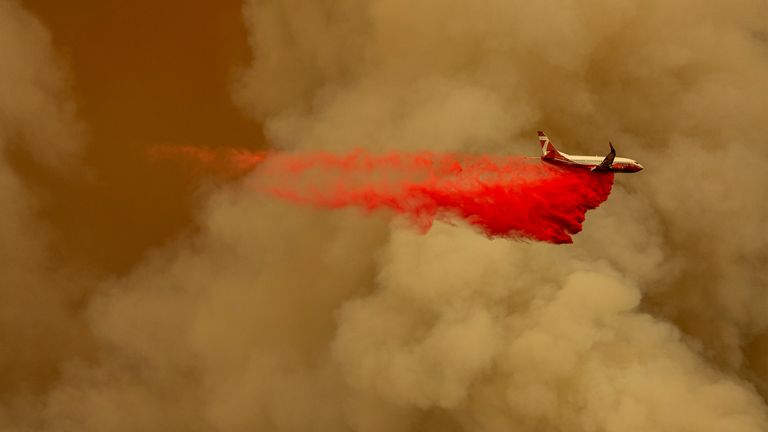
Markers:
<point>270,316</point>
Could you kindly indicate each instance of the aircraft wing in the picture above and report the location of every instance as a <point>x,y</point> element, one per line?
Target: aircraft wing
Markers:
<point>608,161</point>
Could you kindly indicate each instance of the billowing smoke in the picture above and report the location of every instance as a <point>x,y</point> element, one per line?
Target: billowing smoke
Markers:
<point>512,197</point>
<point>39,326</point>
<point>279,317</point>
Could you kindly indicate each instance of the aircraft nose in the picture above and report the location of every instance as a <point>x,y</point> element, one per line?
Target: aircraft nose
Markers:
<point>638,167</point>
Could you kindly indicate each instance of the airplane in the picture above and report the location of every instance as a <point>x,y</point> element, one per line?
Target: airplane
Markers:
<point>610,163</point>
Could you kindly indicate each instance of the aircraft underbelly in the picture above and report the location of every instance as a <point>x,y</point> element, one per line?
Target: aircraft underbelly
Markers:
<point>584,165</point>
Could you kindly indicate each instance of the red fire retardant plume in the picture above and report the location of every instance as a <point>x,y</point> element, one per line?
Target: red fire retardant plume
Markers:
<point>504,196</point>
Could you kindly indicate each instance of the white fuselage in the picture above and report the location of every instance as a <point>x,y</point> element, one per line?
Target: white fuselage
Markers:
<point>595,163</point>
<point>595,160</point>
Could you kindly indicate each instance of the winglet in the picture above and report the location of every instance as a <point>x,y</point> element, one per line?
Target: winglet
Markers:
<point>606,164</point>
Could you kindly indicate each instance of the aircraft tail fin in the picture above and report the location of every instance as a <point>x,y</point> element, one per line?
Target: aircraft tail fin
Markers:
<point>548,150</point>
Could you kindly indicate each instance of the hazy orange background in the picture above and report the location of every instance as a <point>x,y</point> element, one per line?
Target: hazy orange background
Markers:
<point>268,316</point>
<point>143,73</point>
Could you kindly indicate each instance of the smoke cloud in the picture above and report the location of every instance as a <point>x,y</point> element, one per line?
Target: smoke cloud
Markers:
<point>39,324</point>
<point>280,317</point>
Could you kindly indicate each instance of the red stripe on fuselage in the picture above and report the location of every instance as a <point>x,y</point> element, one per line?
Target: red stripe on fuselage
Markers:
<point>616,167</point>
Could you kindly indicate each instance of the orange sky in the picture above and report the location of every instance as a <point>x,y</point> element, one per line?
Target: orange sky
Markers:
<point>143,73</point>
